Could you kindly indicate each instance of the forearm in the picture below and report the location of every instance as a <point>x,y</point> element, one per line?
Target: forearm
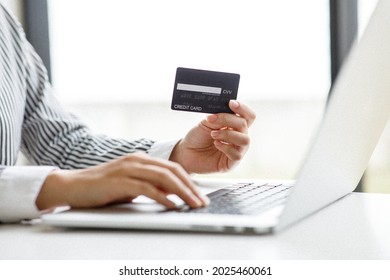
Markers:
<point>119,180</point>
<point>54,191</point>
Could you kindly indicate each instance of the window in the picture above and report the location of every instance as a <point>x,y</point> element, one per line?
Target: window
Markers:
<point>113,64</point>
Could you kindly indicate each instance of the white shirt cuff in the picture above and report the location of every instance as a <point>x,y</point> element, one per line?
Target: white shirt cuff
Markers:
<point>19,188</point>
<point>162,149</point>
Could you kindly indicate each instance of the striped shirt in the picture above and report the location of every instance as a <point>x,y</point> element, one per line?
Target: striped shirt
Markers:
<point>34,123</point>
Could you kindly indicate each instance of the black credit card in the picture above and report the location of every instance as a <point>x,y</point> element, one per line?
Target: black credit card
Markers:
<point>204,91</point>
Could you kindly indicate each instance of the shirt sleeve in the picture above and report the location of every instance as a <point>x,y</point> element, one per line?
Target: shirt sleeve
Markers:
<point>163,149</point>
<point>19,187</point>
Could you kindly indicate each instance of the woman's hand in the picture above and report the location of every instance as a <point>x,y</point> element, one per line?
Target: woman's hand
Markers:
<point>218,143</point>
<point>119,180</point>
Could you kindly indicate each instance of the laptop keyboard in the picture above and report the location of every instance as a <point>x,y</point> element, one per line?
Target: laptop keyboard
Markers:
<point>245,199</point>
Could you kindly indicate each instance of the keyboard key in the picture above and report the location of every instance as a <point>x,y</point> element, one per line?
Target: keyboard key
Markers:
<point>245,198</point>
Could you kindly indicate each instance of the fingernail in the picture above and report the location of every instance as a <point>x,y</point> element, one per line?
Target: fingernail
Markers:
<point>171,205</point>
<point>196,201</point>
<point>214,134</point>
<point>212,118</point>
<point>234,104</point>
<point>206,200</point>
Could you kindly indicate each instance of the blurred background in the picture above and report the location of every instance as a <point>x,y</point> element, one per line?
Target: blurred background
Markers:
<point>113,63</point>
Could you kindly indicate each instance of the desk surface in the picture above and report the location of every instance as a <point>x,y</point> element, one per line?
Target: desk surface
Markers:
<point>355,227</point>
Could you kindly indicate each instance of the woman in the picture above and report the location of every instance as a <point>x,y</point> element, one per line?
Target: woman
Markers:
<point>76,168</point>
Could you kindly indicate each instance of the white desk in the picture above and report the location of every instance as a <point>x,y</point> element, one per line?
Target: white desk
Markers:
<point>355,227</point>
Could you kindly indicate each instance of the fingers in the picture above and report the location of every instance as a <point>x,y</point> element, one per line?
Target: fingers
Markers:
<point>138,187</point>
<point>165,177</point>
<point>233,144</point>
<point>117,181</point>
<point>230,136</point>
<point>233,153</point>
<point>230,131</point>
<point>223,120</point>
<point>240,121</point>
<point>242,110</point>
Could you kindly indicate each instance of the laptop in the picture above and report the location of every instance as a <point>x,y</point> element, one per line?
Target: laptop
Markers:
<point>355,117</point>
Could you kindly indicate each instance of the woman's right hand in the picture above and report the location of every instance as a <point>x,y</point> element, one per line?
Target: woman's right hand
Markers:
<point>119,180</point>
